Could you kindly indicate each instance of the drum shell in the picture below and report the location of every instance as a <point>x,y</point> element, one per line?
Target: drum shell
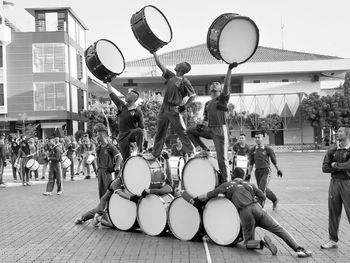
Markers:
<point>214,33</point>
<point>143,32</point>
<point>90,159</point>
<point>176,165</point>
<point>32,165</point>
<point>65,162</point>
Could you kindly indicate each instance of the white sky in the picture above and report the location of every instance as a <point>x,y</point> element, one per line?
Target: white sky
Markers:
<point>315,26</point>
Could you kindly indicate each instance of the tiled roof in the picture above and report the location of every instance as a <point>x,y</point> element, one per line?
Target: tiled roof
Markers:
<point>200,55</point>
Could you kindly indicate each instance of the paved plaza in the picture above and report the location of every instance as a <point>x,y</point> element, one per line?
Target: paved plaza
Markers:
<point>35,228</point>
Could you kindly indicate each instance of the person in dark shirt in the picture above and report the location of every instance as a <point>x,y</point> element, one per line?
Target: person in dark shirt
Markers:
<point>337,163</point>
<point>70,151</point>
<point>246,198</point>
<point>131,126</point>
<point>260,156</point>
<point>14,158</point>
<point>214,124</point>
<point>240,148</point>
<point>177,149</point>
<point>2,159</point>
<point>177,88</point>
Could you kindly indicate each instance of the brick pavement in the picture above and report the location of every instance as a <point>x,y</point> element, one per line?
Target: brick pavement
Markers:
<point>35,228</point>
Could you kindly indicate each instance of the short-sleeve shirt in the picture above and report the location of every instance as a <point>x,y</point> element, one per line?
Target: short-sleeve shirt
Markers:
<point>177,88</point>
<point>239,150</point>
<point>212,114</point>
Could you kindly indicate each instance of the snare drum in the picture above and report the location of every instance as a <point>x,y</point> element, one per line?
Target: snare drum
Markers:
<point>90,159</point>
<point>184,219</point>
<point>139,174</point>
<point>151,28</point>
<point>152,213</point>
<point>199,175</point>
<point>32,165</point>
<point>176,165</point>
<point>122,213</point>
<point>104,60</point>
<point>233,38</point>
<point>221,221</point>
<point>65,162</point>
<point>241,161</point>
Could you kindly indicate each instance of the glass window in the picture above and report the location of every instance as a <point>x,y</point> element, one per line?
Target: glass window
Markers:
<point>2,97</point>
<point>50,96</point>
<point>82,37</point>
<point>73,63</point>
<point>51,21</point>
<point>71,26</point>
<point>49,57</point>
<point>74,98</point>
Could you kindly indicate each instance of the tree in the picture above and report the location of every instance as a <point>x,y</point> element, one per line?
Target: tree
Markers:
<point>150,106</point>
<point>271,123</point>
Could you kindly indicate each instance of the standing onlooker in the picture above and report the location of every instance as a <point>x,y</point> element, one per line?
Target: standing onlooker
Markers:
<point>337,163</point>
<point>260,155</point>
<point>2,159</point>
<point>14,158</point>
<point>55,173</point>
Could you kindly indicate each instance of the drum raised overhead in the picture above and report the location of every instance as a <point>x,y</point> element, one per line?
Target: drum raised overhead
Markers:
<point>233,38</point>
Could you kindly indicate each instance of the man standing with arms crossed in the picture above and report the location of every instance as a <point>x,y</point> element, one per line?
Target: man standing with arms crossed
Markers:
<point>260,155</point>
<point>337,163</point>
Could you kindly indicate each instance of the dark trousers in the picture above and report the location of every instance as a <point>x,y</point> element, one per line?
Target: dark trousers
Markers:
<point>262,176</point>
<point>104,178</point>
<point>195,134</point>
<point>14,169</point>
<point>24,170</point>
<point>54,175</point>
<point>254,215</point>
<point>169,115</point>
<point>338,195</point>
<point>1,171</point>
<point>125,138</point>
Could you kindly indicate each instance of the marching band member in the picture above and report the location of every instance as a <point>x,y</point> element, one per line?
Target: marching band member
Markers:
<point>24,155</point>
<point>131,126</point>
<point>70,150</point>
<point>214,124</point>
<point>240,148</point>
<point>177,88</point>
<point>246,197</point>
<point>88,149</point>
<point>14,159</point>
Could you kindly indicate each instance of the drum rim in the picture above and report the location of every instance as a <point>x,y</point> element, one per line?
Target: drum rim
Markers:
<point>218,55</point>
<point>146,24</point>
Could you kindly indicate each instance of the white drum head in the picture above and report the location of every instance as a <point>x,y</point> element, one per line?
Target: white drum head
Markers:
<point>238,40</point>
<point>184,219</point>
<point>122,212</point>
<point>158,24</point>
<point>151,215</point>
<point>136,175</point>
<point>221,221</point>
<point>110,56</point>
<point>30,163</point>
<point>66,162</point>
<point>199,176</point>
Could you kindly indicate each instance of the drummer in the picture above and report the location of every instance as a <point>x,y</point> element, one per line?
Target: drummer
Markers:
<point>246,198</point>
<point>214,124</point>
<point>242,149</point>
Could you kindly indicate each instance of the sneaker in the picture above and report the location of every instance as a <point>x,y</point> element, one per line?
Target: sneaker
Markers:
<point>96,220</point>
<point>303,253</point>
<point>329,244</point>
<point>42,178</point>
<point>271,246</point>
<point>87,177</point>
<point>47,193</point>
<point>28,184</point>
<point>78,221</point>
<point>274,204</point>
<point>59,192</point>
<point>76,174</point>
<point>3,185</point>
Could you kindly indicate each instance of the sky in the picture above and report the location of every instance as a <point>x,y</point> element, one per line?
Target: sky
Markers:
<point>314,26</point>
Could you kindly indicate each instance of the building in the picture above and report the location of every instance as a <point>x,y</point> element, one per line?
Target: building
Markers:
<point>272,81</point>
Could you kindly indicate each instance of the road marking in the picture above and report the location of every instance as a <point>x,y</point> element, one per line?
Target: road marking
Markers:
<point>206,250</point>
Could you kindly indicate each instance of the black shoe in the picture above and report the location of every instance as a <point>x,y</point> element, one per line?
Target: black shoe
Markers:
<point>271,246</point>
<point>87,177</point>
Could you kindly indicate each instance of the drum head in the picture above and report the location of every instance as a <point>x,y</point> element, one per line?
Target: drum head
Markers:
<point>30,163</point>
<point>221,221</point>
<point>158,23</point>
<point>152,215</point>
<point>238,40</point>
<point>184,219</point>
<point>136,175</point>
<point>122,212</point>
<point>199,176</point>
<point>110,56</point>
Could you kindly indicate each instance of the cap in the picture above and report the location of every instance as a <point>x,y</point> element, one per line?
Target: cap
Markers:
<point>216,86</point>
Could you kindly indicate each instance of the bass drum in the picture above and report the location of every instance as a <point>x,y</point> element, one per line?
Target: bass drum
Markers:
<point>104,60</point>
<point>152,213</point>
<point>184,219</point>
<point>122,213</point>
<point>151,28</point>
<point>221,221</point>
<point>139,174</point>
<point>233,38</point>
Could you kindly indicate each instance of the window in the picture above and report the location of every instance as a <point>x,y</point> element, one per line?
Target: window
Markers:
<point>49,57</point>
<point>51,21</point>
<point>71,27</point>
<point>2,96</point>
<point>73,63</point>
<point>80,67</point>
<point>1,57</point>
<point>50,96</point>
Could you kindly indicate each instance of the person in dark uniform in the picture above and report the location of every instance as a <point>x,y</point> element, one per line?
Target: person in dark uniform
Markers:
<point>55,173</point>
<point>214,124</point>
<point>246,198</point>
<point>337,163</point>
<point>2,159</point>
<point>177,149</point>
<point>24,155</point>
<point>108,157</point>
<point>131,126</point>
<point>240,148</point>
<point>14,159</point>
<point>260,156</point>
<point>177,88</point>
<point>70,148</point>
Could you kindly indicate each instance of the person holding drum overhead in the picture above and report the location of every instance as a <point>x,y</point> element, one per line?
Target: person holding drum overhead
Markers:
<point>131,126</point>
<point>55,173</point>
<point>177,88</point>
<point>214,124</point>
<point>246,197</point>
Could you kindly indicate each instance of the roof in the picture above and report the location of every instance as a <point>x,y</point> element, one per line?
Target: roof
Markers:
<point>199,54</point>
<point>32,12</point>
